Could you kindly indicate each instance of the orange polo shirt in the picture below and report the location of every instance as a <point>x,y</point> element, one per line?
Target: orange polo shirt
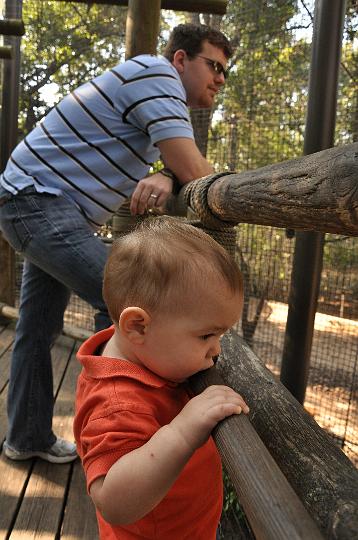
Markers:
<point>119,406</point>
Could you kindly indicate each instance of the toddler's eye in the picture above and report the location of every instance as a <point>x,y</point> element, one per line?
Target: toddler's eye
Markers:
<point>206,336</point>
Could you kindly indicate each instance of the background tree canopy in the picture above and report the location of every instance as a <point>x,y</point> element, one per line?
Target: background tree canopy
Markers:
<point>65,44</point>
<point>68,43</point>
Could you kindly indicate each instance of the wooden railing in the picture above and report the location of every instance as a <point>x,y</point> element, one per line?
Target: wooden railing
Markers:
<point>317,192</point>
<point>273,509</point>
<point>280,444</point>
<point>10,27</point>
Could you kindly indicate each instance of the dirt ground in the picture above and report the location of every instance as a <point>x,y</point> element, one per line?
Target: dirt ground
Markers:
<point>332,391</point>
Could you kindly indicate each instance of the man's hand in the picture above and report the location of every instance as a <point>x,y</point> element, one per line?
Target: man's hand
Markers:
<point>151,192</point>
<point>198,418</point>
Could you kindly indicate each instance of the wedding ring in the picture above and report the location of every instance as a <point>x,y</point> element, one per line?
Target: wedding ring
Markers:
<point>154,196</point>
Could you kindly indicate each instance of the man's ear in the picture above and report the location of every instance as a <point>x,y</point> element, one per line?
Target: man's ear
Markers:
<point>178,60</point>
<point>133,324</point>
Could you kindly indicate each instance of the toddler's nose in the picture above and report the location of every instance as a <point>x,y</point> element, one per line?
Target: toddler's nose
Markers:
<point>216,349</point>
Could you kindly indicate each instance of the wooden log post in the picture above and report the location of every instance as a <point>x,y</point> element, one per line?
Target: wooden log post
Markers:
<point>142,27</point>
<point>7,273</point>
<point>321,475</point>
<point>8,131</point>
<point>315,192</point>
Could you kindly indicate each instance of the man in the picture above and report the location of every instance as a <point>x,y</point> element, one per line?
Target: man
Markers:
<point>68,176</point>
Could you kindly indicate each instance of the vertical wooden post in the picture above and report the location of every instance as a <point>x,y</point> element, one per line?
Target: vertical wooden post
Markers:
<point>142,27</point>
<point>10,89</point>
<point>10,99</point>
<point>7,273</point>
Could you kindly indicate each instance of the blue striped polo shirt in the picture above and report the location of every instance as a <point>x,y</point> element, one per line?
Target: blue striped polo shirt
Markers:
<point>100,140</point>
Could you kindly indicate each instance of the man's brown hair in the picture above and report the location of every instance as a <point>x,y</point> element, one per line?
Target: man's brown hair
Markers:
<point>162,264</point>
<point>190,37</point>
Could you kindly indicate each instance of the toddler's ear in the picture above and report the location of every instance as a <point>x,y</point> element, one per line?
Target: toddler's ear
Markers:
<point>133,324</point>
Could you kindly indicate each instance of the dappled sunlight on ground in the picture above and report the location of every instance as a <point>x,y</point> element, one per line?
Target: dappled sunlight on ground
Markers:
<point>331,395</point>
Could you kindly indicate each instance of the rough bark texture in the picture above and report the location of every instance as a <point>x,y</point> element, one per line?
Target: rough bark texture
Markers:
<point>272,507</point>
<point>217,7</point>
<point>322,476</point>
<point>316,192</point>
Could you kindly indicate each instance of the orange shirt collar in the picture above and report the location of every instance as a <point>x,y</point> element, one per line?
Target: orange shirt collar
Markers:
<point>102,367</point>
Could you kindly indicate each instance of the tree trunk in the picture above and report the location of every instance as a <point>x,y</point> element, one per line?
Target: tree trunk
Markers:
<point>200,120</point>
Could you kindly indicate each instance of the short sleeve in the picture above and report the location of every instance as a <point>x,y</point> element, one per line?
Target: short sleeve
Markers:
<point>154,102</point>
<point>106,439</point>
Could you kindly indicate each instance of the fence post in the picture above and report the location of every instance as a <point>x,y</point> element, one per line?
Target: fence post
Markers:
<point>308,255</point>
<point>10,98</point>
<point>142,27</point>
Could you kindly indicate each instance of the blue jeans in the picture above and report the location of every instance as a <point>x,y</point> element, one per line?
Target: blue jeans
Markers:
<point>61,255</point>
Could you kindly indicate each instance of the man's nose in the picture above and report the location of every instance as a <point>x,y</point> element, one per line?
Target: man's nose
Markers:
<point>220,78</point>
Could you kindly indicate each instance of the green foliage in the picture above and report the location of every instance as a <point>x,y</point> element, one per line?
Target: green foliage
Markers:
<point>66,44</point>
<point>264,101</point>
<point>261,113</point>
<point>230,498</point>
<point>340,253</point>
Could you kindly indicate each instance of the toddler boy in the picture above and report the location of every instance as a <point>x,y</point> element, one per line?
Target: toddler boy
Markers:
<point>152,469</point>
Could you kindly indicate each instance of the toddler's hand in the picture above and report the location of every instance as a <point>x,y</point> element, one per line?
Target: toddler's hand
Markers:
<point>197,419</point>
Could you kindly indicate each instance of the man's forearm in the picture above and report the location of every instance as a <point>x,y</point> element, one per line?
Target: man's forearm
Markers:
<point>183,158</point>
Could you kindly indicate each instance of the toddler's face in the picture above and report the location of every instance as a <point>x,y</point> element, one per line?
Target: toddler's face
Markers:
<point>176,347</point>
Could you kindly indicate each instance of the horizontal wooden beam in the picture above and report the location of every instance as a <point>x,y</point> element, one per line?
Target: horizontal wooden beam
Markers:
<point>272,508</point>
<point>322,476</point>
<point>315,192</point>
<point>6,52</point>
<point>216,7</point>
<point>12,27</point>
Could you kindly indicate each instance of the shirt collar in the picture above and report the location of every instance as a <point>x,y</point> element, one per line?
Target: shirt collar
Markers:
<point>102,367</point>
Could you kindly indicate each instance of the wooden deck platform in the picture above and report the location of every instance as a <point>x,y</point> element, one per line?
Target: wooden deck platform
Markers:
<point>39,500</point>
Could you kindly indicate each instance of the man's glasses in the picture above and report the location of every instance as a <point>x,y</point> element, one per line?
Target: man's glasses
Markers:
<point>217,66</point>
